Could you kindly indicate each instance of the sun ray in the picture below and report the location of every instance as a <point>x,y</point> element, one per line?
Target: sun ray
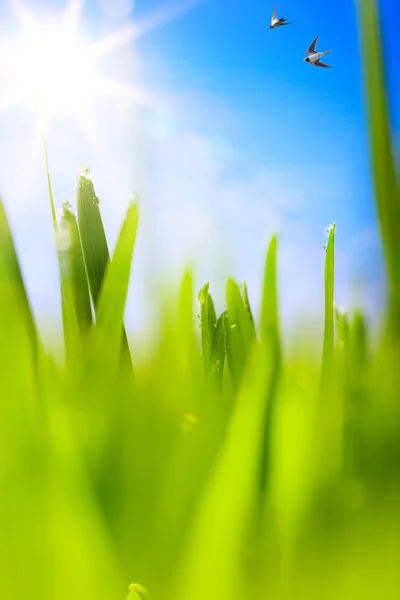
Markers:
<point>132,93</point>
<point>136,30</point>
<point>49,65</point>
<point>71,18</point>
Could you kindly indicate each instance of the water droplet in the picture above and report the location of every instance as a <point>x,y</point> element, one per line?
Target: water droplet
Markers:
<point>84,172</point>
<point>232,326</point>
<point>66,208</point>
<point>63,237</point>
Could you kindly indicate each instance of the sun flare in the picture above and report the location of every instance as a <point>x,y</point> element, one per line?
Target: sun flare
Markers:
<point>54,68</point>
<point>50,64</point>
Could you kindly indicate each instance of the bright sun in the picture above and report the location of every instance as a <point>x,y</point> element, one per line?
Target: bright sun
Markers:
<point>54,68</point>
<point>50,65</point>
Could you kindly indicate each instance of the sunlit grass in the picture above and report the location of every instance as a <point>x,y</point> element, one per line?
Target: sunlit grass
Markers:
<point>219,470</point>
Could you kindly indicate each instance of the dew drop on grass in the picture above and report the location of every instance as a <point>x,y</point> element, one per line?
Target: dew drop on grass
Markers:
<point>232,326</point>
<point>84,171</point>
<point>215,367</point>
<point>63,237</point>
<point>66,208</point>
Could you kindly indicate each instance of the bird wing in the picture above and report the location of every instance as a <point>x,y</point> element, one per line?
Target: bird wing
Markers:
<point>321,64</point>
<point>311,48</point>
<point>284,23</point>
<point>274,13</point>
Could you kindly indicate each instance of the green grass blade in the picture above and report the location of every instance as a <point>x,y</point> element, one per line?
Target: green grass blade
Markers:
<point>105,344</point>
<point>342,337</point>
<point>208,320</point>
<point>240,331</point>
<point>12,288</point>
<point>271,353</point>
<point>269,325</point>
<point>358,333</point>
<point>216,542</point>
<point>387,195</point>
<point>248,308</point>
<point>328,347</point>
<point>72,269</point>
<point>217,355</point>
<point>93,237</point>
<point>187,346</point>
<point>94,246</point>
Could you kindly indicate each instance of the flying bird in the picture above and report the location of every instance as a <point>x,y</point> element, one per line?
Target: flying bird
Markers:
<point>313,57</point>
<point>275,22</point>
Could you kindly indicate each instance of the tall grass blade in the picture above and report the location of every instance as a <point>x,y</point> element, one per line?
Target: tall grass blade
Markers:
<point>248,307</point>
<point>70,321</point>
<point>271,354</point>
<point>387,195</point>
<point>358,338</point>
<point>217,537</point>
<point>217,355</point>
<point>12,288</point>
<point>269,325</point>
<point>187,346</point>
<point>93,237</point>
<point>239,330</point>
<point>105,343</point>
<point>208,320</point>
<point>72,269</point>
<point>328,347</point>
<point>94,246</point>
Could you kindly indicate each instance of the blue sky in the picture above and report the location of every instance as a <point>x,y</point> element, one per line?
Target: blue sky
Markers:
<point>247,140</point>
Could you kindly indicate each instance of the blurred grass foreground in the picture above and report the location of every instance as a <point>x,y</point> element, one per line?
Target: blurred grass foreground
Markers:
<point>215,472</point>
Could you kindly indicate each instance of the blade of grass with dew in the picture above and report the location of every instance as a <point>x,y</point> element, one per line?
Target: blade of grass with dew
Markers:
<point>72,269</point>
<point>94,246</point>
<point>70,320</point>
<point>105,343</point>
<point>328,345</point>
<point>223,528</point>
<point>331,397</point>
<point>208,320</point>
<point>95,410</point>
<point>240,332</point>
<point>93,237</point>
<point>248,309</point>
<point>387,196</point>
<point>217,355</point>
